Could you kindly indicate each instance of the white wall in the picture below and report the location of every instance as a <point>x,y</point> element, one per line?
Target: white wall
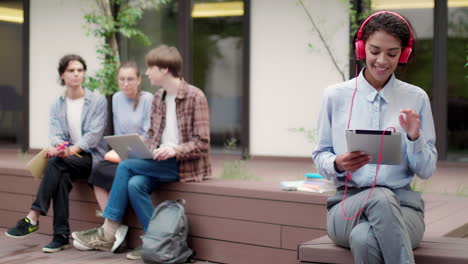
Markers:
<point>287,76</point>
<point>56,29</point>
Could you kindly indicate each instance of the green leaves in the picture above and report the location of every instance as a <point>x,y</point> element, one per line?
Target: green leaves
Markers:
<point>129,16</point>
<point>466,64</point>
<point>105,79</point>
<point>123,21</point>
<point>308,133</point>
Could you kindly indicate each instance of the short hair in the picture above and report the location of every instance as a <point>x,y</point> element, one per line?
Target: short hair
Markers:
<point>166,57</point>
<point>65,60</point>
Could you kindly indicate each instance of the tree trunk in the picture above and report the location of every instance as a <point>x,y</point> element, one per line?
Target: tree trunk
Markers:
<point>109,130</point>
<point>112,40</point>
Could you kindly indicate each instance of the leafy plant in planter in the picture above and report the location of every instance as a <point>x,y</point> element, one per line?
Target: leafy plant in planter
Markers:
<point>110,20</point>
<point>237,169</point>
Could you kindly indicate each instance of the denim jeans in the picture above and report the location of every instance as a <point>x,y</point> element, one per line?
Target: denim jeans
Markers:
<point>134,180</point>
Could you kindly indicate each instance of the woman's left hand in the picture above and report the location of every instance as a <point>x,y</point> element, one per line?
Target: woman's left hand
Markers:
<point>409,121</point>
<point>112,156</point>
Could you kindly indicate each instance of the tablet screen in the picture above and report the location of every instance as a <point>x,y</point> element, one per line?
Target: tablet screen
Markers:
<point>369,141</point>
<point>372,132</point>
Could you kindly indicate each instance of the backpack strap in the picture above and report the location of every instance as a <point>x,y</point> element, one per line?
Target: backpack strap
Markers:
<point>181,202</point>
<point>192,258</point>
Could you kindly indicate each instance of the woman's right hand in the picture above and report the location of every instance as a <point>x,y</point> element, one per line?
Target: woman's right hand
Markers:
<point>112,156</point>
<point>352,161</point>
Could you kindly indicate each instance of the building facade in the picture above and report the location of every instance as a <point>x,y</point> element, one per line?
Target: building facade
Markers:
<point>261,63</point>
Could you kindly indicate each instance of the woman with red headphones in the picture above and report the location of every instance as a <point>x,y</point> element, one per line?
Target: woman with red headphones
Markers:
<point>374,212</point>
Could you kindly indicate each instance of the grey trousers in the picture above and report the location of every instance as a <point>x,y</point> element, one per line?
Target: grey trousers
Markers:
<point>389,227</point>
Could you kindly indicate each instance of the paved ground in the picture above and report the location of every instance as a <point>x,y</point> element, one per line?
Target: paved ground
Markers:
<point>28,251</point>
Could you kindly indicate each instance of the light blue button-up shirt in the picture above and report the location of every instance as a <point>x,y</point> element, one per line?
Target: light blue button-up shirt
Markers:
<point>377,111</point>
<point>93,123</point>
<point>126,119</point>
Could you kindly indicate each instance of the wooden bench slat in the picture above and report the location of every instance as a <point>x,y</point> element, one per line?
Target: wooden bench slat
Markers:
<point>228,252</point>
<point>251,209</point>
<point>19,185</point>
<point>292,236</point>
<point>238,188</point>
<point>432,250</point>
<point>235,230</point>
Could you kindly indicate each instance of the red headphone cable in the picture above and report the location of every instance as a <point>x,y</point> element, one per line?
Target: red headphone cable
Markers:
<point>348,175</point>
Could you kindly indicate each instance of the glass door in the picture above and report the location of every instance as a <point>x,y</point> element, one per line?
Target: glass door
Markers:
<point>217,48</point>
<point>457,50</point>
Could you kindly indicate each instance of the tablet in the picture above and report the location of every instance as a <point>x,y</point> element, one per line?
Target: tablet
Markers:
<point>129,146</point>
<point>369,142</point>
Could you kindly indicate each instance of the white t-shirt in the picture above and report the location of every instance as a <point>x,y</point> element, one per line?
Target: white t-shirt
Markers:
<point>74,110</point>
<point>170,135</point>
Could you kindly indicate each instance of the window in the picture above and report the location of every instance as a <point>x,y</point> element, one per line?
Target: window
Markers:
<point>457,48</point>
<point>217,48</point>
<point>420,15</point>
<point>161,27</point>
<point>214,53</point>
<point>421,71</point>
<point>11,75</point>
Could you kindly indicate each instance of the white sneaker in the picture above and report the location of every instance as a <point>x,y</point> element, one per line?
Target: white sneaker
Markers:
<point>135,254</point>
<point>119,237</point>
<point>80,246</point>
<point>77,244</point>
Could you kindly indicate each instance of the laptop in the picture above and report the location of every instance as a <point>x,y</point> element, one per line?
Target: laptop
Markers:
<point>129,146</point>
<point>369,141</point>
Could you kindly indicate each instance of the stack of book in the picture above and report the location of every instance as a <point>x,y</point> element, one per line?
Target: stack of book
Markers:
<point>313,183</point>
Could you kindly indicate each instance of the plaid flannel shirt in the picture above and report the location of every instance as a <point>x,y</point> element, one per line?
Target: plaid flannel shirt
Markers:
<point>193,151</point>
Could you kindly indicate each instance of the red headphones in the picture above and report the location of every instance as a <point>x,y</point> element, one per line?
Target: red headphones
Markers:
<point>360,46</point>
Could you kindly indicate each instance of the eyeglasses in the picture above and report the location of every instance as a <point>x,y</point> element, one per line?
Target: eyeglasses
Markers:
<point>127,80</point>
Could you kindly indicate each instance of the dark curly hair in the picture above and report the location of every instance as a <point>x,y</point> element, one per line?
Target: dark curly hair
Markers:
<point>65,60</point>
<point>391,24</point>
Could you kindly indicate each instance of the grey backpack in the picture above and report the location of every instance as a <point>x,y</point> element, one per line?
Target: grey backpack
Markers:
<point>165,240</point>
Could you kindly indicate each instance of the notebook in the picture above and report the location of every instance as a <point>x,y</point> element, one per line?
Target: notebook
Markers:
<point>37,164</point>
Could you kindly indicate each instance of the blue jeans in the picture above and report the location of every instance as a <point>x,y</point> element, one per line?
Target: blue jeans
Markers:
<point>134,180</point>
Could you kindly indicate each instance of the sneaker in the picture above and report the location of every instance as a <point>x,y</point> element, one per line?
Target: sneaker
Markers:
<point>84,232</point>
<point>22,229</point>
<point>135,254</point>
<point>77,244</point>
<point>59,242</point>
<point>93,239</point>
<point>119,237</point>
